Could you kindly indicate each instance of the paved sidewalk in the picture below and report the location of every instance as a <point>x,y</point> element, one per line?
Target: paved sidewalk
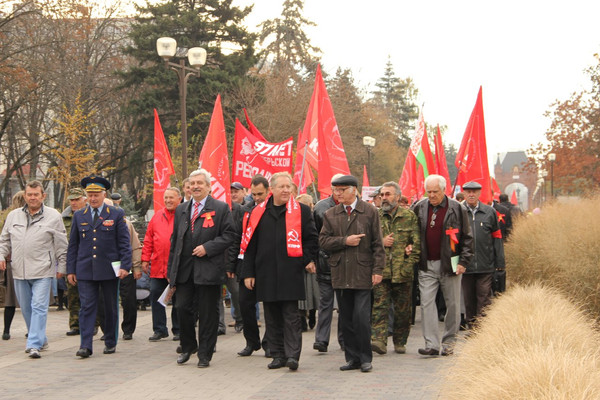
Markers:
<point>144,370</point>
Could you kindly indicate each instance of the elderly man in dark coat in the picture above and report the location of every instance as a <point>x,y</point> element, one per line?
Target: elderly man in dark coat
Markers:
<point>279,243</point>
<point>351,234</point>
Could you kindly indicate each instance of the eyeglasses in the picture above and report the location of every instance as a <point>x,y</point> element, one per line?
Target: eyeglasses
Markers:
<point>432,223</point>
<point>340,190</point>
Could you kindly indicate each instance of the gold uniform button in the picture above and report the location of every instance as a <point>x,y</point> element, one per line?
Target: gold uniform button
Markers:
<point>94,231</point>
<point>94,256</point>
<point>94,239</point>
<point>94,247</point>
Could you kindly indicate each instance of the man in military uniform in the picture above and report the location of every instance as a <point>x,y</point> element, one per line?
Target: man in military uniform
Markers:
<point>99,253</point>
<point>400,229</point>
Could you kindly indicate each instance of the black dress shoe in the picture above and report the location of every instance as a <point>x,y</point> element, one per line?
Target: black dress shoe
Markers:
<point>277,363</point>
<point>95,330</point>
<point>5,336</point>
<point>321,346</point>
<point>350,365</point>
<point>183,358</point>
<point>267,352</point>
<point>157,336</point>
<point>366,367</point>
<point>73,332</point>
<point>429,352</point>
<point>102,337</point>
<point>83,353</point>
<point>176,338</point>
<point>179,349</point>
<point>127,336</point>
<point>110,350</point>
<point>247,351</point>
<point>292,364</point>
<point>203,363</point>
<point>220,332</point>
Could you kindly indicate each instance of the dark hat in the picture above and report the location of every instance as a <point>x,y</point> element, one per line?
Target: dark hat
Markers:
<point>376,193</point>
<point>346,180</point>
<point>76,193</point>
<point>471,186</point>
<point>237,185</point>
<point>95,183</point>
<point>115,196</point>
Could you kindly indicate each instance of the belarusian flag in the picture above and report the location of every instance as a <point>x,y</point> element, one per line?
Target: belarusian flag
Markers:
<point>418,158</point>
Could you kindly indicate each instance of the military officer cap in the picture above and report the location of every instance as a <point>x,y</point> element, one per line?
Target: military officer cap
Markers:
<point>376,193</point>
<point>95,183</point>
<point>76,193</point>
<point>472,186</point>
<point>346,180</point>
<point>115,196</point>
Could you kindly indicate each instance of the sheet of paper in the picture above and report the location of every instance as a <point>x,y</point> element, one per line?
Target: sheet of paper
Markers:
<point>454,261</point>
<point>163,297</point>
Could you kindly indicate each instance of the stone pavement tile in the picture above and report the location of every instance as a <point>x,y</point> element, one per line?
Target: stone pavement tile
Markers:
<point>148,370</point>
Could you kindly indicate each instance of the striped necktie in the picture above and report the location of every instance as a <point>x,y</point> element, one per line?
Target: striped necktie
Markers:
<point>195,214</point>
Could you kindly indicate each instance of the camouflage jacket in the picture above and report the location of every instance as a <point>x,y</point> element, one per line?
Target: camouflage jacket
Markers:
<point>405,228</point>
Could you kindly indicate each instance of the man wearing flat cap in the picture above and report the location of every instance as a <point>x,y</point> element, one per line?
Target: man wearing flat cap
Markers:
<point>116,199</point>
<point>489,253</point>
<point>376,197</point>
<point>99,255</point>
<point>351,234</point>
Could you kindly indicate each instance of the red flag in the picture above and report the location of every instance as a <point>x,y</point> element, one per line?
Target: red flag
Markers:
<point>213,156</point>
<point>163,166</point>
<point>471,160</point>
<point>252,156</point>
<point>441,168</point>
<point>253,129</point>
<point>495,189</point>
<point>365,177</point>
<point>513,199</point>
<point>302,169</point>
<point>419,163</point>
<point>321,125</point>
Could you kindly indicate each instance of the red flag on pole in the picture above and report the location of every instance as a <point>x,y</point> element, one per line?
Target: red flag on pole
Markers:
<point>471,160</point>
<point>495,189</point>
<point>163,166</point>
<point>321,125</point>
<point>440,161</point>
<point>513,198</point>
<point>213,156</point>
<point>303,175</point>
<point>419,163</point>
<point>365,177</point>
<point>253,129</point>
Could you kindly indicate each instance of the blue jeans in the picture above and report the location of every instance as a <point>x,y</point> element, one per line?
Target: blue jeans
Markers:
<point>159,313</point>
<point>34,297</point>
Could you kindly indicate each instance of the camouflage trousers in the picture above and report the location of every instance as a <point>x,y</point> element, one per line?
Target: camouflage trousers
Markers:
<point>74,306</point>
<point>398,295</point>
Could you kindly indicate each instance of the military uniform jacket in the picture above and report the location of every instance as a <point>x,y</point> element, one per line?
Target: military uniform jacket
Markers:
<point>216,239</point>
<point>404,226</point>
<point>93,247</point>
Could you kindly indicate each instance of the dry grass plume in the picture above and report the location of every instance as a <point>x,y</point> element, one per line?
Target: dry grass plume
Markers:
<point>533,344</point>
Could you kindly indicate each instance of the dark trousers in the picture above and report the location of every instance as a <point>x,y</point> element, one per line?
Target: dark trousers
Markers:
<point>284,335</point>
<point>323,330</point>
<point>355,311</point>
<point>129,304</point>
<point>247,300</point>
<point>202,301</point>
<point>88,296</point>
<point>159,313</point>
<point>477,292</point>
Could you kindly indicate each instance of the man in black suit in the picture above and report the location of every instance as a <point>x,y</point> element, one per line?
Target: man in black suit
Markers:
<point>202,232</point>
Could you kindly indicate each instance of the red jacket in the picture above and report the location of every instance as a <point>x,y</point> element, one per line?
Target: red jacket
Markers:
<point>157,242</point>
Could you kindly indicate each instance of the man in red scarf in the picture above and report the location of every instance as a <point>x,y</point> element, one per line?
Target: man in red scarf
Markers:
<point>280,241</point>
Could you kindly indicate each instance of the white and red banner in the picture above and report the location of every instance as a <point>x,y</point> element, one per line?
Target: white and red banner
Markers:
<point>253,156</point>
<point>163,166</point>
<point>214,158</point>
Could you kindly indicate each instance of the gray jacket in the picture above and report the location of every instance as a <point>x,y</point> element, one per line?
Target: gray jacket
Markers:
<point>35,246</point>
<point>489,249</point>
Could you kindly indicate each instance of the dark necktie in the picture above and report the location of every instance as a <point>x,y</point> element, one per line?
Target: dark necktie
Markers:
<point>195,214</point>
<point>95,215</point>
<point>349,210</point>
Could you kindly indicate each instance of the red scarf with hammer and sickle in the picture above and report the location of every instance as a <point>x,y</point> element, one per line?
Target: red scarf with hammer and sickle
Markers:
<point>293,226</point>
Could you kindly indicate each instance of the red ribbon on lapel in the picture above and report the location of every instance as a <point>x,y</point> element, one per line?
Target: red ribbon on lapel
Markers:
<point>208,222</point>
<point>500,217</point>
<point>453,239</point>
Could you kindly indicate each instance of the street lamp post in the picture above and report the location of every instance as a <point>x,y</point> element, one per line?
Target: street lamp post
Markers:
<point>552,158</point>
<point>369,143</point>
<point>544,176</point>
<point>166,47</point>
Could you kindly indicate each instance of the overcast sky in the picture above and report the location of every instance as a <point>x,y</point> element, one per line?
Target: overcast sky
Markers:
<point>525,54</point>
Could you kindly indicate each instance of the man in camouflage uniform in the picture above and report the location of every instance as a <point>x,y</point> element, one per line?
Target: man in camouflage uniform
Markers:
<point>77,199</point>
<point>401,240</point>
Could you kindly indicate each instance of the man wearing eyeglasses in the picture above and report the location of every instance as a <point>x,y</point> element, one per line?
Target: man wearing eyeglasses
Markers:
<point>351,234</point>
<point>446,250</point>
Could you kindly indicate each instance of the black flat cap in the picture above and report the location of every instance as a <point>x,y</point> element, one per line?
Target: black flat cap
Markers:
<point>472,186</point>
<point>115,196</point>
<point>346,180</point>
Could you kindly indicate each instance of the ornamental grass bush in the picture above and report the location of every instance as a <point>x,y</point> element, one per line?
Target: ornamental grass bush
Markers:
<point>534,343</point>
<point>559,247</point>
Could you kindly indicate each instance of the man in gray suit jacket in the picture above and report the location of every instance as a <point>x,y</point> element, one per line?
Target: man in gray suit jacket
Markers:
<point>202,232</point>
